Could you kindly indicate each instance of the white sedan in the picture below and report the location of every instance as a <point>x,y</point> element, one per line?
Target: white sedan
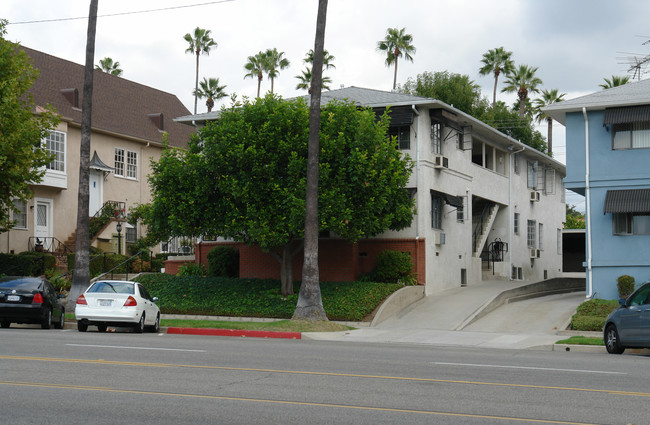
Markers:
<point>117,303</point>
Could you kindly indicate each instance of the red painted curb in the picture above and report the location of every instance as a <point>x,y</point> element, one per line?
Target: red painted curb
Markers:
<point>234,332</point>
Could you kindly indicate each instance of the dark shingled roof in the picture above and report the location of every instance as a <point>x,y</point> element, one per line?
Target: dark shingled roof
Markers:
<point>120,106</point>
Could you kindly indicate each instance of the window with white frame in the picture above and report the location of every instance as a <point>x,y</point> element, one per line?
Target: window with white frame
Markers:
<point>532,174</point>
<point>516,224</point>
<point>630,224</point>
<point>436,137</point>
<point>549,181</point>
<point>55,145</point>
<point>631,135</point>
<point>436,210</point>
<point>20,214</point>
<point>540,238</point>
<point>126,163</point>
<point>532,237</point>
<point>131,233</point>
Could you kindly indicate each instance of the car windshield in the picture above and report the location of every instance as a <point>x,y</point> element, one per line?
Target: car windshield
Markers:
<point>112,287</point>
<point>25,283</point>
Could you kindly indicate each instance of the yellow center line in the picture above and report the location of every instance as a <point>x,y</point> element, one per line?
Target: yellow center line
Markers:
<point>347,375</point>
<point>294,403</point>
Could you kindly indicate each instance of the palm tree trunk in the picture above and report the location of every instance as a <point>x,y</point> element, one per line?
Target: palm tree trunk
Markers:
<point>310,303</point>
<point>81,275</point>
<point>196,83</point>
<point>272,81</point>
<point>259,84</point>
<point>395,76</point>
<point>549,135</point>
<point>494,93</point>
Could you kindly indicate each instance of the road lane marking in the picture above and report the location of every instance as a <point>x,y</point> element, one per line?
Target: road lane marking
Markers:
<point>529,368</point>
<point>135,348</point>
<point>344,375</point>
<point>294,403</point>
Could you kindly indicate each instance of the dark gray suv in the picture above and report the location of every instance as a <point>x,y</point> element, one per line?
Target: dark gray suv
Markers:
<point>629,325</point>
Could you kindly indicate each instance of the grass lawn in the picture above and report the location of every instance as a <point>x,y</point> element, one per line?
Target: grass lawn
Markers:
<point>582,340</point>
<point>280,325</point>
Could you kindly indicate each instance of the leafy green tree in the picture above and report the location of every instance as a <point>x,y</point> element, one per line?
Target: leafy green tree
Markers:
<point>244,177</point>
<point>549,97</point>
<point>108,66</point>
<point>200,43</point>
<point>453,89</point>
<point>615,81</point>
<point>273,63</point>
<point>211,90</point>
<point>396,44</point>
<point>523,82</point>
<point>22,157</point>
<point>574,218</point>
<point>496,61</point>
<point>256,67</point>
<point>510,123</point>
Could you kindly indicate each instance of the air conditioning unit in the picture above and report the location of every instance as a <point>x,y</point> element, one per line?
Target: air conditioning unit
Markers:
<point>534,196</point>
<point>439,238</point>
<point>533,253</point>
<point>440,161</point>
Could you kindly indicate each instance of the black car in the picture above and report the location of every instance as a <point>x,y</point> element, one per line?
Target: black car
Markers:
<point>25,299</point>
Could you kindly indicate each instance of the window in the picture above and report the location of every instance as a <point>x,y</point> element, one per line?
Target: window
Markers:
<point>516,224</point>
<point>541,232</point>
<point>20,216</point>
<point>131,233</point>
<point>531,237</point>
<point>55,144</point>
<point>436,138</point>
<point>460,210</point>
<point>559,241</point>
<point>630,224</point>
<point>631,135</point>
<point>532,175</point>
<point>515,160</point>
<point>487,156</point>
<point>402,135</point>
<point>436,211</point>
<point>549,181</point>
<point>126,163</point>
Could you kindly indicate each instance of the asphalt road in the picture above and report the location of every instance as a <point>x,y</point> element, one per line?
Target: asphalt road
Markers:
<point>67,377</point>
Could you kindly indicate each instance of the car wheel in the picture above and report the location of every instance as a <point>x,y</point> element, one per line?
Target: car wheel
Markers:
<point>61,322</point>
<point>47,320</point>
<point>5,324</point>
<point>156,326</point>
<point>81,326</point>
<point>102,328</point>
<point>612,341</point>
<point>139,327</point>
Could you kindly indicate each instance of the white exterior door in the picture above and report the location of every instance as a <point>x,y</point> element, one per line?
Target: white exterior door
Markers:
<point>42,218</point>
<point>95,191</point>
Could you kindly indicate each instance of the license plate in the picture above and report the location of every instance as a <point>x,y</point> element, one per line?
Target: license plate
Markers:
<point>13,297</point>
<point>105,303</point>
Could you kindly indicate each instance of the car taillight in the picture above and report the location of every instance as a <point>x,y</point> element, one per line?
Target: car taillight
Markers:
<point>130,302</point>
<point>38,299</point>
<point>82,300</point>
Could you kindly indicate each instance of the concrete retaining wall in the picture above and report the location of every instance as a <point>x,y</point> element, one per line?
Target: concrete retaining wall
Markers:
<point>398,301</point>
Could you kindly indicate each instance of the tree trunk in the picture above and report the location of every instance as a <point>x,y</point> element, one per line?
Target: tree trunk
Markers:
<point>494,92</point>
<point>549,136</point>
<point>310,303</point>
<point>259,84</point>
<point>395,75</point>
<point>81,275</point>
<point>196,83</point>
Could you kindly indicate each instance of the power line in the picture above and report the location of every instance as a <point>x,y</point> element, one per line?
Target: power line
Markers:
<point>120,14</point>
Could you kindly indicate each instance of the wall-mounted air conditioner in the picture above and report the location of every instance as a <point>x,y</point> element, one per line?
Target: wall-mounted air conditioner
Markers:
<point>534,196</point>
<point>440,161</point>
<point>439,238</point>
<point>533,253</point>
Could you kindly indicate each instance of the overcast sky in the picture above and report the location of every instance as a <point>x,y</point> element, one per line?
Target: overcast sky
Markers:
<point>575,43</point>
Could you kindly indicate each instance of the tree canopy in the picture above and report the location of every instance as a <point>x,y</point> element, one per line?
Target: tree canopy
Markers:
<point>453,89</point>
<point>396,44</point>
<point>22,155</point>
<point>244,177</point>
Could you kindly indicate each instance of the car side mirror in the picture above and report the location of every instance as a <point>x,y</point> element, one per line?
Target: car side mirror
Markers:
<point>622,301</point>
<point>155,299</point>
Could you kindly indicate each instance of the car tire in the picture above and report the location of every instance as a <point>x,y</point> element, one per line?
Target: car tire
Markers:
<point>61,322</point>
<point>612,340</point>
<point>81,326</point>
<point>5,324</point>
<point>47,320</point>
<point>139,327</point>
<point>156,326</point>
<point>102,328</point>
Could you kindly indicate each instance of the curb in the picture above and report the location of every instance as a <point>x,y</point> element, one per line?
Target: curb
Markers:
<point>234,332</point>
<point>579,348</point>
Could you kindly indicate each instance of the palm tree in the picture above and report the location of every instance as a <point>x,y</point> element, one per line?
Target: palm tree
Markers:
<point>210,89</point>
<point>615,81</point>
<point>396,44</point>
<point>523,81</point>
<point>327,59</point>
<point>305,81</point>
<point>200,43</point>
<point>108,66</point>
<point>255,67</point>
<point>496,61</point>
<point>274,62</point>
<point>548,98</point>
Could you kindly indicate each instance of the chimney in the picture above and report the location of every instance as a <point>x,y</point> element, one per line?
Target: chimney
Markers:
<point>72,96</point>
<point>157,119</point>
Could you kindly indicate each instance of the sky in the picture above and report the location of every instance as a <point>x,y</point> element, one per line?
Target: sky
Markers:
<point>574,43</point>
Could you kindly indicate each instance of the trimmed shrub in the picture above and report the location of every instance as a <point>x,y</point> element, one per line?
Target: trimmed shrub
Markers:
<point>26,263</point>
<point>192,269</point>
<point>591,314</point>
<point>223,261</point>
<point>625,285</point>
<point>394,267</point>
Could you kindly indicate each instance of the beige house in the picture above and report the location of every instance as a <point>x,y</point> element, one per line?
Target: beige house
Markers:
<point>129,123</point>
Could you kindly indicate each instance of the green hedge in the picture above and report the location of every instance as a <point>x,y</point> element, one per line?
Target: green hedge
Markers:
<point>220,296</point>
<point>223,261</point>
<point>26,263</point>
<point>591,314</point>
<point>100,263</point>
